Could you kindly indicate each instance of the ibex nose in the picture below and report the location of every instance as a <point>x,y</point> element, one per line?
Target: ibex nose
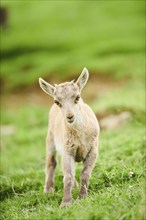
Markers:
<point>70,117</point>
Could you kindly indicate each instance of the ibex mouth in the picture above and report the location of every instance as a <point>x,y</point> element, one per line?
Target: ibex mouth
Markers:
<point>70,121</point>
<point>70,118</point>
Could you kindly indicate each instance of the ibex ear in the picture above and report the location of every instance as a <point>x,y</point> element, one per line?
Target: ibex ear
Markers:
<point>83,78</point>
<point>46,87</point>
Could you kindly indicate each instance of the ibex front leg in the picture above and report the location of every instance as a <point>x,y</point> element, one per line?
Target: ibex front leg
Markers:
<point>69,173</point>
<point>88,166</point>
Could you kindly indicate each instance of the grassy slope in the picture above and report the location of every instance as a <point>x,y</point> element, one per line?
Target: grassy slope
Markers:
<point>113,45</point>
<point>112,193</point>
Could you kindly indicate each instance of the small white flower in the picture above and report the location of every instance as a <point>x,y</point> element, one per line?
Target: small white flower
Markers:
<point>131,174</point>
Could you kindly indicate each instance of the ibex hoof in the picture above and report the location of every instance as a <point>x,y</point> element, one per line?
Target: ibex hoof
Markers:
<point>65,204</point>
<point>82,195</point>
<point>49,190</point>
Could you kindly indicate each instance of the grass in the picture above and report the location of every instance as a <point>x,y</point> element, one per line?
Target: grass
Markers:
<point>63,37</point>
<point>113,194</point>
<point>54,39</point>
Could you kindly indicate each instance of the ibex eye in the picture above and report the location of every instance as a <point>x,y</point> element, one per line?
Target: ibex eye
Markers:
<point>77,99</point>
<point>57,103</point>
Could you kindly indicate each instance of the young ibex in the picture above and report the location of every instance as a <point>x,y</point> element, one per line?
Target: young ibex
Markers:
<point>74,130</point>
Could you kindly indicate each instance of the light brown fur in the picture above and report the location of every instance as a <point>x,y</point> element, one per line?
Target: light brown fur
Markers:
<point>74,130</point>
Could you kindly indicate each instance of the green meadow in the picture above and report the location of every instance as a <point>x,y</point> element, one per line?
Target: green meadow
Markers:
<point>55,40</point>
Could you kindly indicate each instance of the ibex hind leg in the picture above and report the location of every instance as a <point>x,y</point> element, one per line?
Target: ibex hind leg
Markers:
<point>50,170</point>
<point>50,166</point>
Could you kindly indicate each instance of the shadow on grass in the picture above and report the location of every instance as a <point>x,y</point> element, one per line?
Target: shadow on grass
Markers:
<point>28,188</point>
<point>34,190</point>
<point>16,52</point>
<point>15,190</point>
<point>31,199</point>
<point>8,192</point>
